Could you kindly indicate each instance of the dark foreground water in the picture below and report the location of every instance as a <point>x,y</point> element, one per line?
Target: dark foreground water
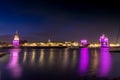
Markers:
<point>59,64</point>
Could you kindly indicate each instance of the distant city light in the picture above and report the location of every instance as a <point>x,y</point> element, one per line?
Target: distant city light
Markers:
<point>104,42</point>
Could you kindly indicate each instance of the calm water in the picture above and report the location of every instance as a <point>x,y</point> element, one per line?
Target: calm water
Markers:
<point>59,64</point>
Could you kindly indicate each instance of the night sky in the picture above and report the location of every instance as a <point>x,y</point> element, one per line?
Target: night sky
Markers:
<point>58,20</point>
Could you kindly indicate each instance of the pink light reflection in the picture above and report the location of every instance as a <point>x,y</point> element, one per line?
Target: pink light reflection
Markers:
<point>13,64</point>
<point>105,62</point>
<point>84,61</point>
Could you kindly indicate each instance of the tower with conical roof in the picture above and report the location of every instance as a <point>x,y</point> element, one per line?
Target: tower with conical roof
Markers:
<point>16,40</point>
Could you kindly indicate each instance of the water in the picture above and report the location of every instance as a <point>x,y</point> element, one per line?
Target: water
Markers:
<point>59,64</point>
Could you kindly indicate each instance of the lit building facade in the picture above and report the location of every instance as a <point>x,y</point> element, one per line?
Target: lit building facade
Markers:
<point>104,41</point>
<point>16,40</point>
<point>84,43</point>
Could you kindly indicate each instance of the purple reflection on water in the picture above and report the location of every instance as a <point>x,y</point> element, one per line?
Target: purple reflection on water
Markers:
<point>105,62</point>
<point>13,64</point>
<point>84,61</point>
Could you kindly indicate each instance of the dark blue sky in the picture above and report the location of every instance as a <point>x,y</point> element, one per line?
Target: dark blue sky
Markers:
<point>58,20</point>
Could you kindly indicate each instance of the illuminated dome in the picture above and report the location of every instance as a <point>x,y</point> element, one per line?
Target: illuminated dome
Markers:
<point>16,40</point>
<point>16,37</point>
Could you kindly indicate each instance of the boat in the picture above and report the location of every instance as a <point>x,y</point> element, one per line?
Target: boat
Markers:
<point>116,49</point>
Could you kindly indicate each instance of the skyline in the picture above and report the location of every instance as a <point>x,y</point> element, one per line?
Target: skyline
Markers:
<point>58,20</point>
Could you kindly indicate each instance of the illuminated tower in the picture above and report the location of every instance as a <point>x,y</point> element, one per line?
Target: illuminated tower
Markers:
<point>16,40</point>
<point>104,41</point>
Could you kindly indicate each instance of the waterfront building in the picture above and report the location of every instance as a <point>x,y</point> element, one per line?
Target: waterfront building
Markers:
<point>16,40</point>
<point>84,43</point>
<point>104,41</point>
